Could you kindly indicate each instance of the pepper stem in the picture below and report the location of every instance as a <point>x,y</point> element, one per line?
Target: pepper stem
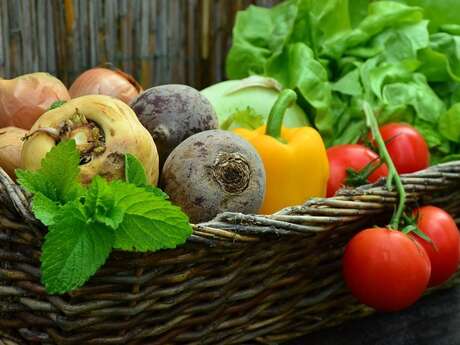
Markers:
<point>393,176</point>
<point>275,120</point>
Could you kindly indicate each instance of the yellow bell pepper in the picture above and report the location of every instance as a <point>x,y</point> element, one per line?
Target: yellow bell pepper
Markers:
<point>295,160</point>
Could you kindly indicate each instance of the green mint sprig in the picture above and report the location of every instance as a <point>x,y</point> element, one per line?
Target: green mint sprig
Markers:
<point>86,223</point>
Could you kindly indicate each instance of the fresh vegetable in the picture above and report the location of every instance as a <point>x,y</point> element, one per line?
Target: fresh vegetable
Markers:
<point>104,129</point>
<point>104,81</point>
<point>212,172</point>
<point>295,159</point>
<point>172,113</point>
<point>406,146</point>
<point>336,54</point>
<point>25,98</point>
<point>10,149</point>
<point>246,103</point>
<point>85,223</point>
<point>385,269</point>
<point>352,165</point>
<point>442,250</point>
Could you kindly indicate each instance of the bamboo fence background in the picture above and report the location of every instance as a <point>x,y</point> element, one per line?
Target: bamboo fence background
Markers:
<point>158,41</point>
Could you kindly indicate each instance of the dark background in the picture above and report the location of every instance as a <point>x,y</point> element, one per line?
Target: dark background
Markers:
<point>434,320</point>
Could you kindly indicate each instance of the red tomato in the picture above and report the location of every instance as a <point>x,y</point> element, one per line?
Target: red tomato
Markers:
<point>342,157</point>
<point>406,146</point>
<point>385,269</point>
<point>439,226</point>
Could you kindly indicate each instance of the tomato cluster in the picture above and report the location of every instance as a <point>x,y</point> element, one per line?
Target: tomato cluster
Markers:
<point>406,146</point>
<point>389,270</point>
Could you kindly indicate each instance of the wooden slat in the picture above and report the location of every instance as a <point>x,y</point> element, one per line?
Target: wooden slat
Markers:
<point>158,41</point>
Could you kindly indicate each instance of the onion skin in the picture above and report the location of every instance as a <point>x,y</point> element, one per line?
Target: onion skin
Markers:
<point>25,98</point>
<point>10,149</point>
<point>122,130</point>
<point>104,81</point>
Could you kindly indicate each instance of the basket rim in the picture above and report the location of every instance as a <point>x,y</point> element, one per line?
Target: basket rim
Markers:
<point>317,215</point>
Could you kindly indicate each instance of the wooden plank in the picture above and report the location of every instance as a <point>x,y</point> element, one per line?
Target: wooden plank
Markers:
<point>92,33</point>
<point>15,37</point>
<point>4,40</point>
<point>83,35</point>
<point>41,35</point>
<point>110,26</point>
<point>50,39</point>
<point>158,41</point>
<point>145,45</point>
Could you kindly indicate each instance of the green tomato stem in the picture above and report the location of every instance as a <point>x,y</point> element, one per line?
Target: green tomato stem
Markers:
<point>275,120</point>
<point>393,176</point>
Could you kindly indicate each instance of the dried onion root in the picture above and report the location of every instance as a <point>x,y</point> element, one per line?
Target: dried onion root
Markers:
<point>103,128</point>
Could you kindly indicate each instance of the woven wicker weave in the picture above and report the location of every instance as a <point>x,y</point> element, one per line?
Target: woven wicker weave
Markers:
<point>239,279</point>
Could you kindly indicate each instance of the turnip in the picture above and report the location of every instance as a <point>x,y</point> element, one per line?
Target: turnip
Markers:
<point>104,130</point>
<point>212,172</point>
<point>172,113</point>
<point>248,98</point>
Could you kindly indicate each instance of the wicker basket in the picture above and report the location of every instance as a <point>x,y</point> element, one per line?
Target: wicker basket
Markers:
<point>239,279</point>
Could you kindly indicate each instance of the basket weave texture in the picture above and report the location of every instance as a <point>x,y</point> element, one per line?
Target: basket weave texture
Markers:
<point>240,279</point>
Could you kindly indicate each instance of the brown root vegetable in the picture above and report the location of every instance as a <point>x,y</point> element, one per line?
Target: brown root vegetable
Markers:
<point>10,149</point>
<point>24,99</point>
<point>105,81</point>
<point>104,129</point>
<point>172,113</point>
<point>212,172</point>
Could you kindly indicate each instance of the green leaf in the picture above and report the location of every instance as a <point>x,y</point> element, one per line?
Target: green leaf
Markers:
<point>418,94</point>
<point>56,104</point>
<point>349,84</point>
<point>44,209</point>
<point>100,204</point>
<point>439,12</point>
<point>73,250</point>
<point>246,118</point>
<point>449,123</point>
<point>296,68</point>
<point>35,182</point>
<point>441,61</point>
<point>134,171</point>
<point>450,158</point>
<point>157,192</point>
<point>150,222</point>
<point>382,15</point>
<point>57,179</point>
<point>429,132</point>
<point>259,33</point>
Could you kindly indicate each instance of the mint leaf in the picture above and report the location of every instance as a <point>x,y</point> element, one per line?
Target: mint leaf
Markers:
<point>57,177</point>
<point>44,209</point>
<point>100,204</point>
<point>73,250</point>
<point>150,222</point>
<point>35,182</point>
<point>61,167</point>
<point>157,191</point>
<point>134,171</point>
<point>135,174</point>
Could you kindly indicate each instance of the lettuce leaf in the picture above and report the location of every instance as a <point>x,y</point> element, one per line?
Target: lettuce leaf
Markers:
<point>401,56</point>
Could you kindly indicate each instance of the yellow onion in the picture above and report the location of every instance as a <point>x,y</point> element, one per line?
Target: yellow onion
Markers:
<point>104,129</point>
<point>25,98</point>
<point>10,149</point>
<point>104,81</point>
